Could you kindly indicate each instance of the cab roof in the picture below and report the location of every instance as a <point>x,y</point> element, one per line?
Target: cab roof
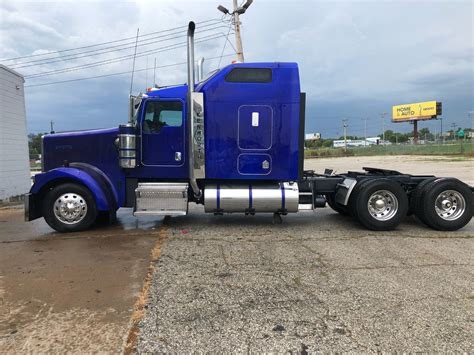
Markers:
<point>180,91</point>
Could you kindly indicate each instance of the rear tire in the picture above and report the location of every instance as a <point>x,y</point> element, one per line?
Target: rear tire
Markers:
<point>380,204</point>
<point>415,197</point>
<point>69,208</point>
<point>446,204</point>
<point>353,198</point>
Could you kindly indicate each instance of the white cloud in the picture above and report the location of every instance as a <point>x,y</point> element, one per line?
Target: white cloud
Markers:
<point>351,51</point>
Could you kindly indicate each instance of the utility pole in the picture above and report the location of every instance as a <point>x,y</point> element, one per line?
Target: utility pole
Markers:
<point>236,22</point>
<point>238,38</point>
<point>442,137</point>
<point>454,132</point>
<point>382,115</point>
<point>365,131</point>
<point>51,123</point>
<point>344,125</point>
<point>470,114</point>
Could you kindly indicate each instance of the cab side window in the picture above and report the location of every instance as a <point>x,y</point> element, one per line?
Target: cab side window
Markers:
<point>249,75</point>
<point>159,114</point>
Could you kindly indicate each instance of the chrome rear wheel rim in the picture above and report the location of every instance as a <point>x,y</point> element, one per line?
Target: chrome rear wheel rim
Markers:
<point>450,205</point>
<point>70,208</point>
<point>382,205</point>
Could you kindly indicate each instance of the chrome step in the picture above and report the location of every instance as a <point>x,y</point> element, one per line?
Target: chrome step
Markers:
<point>161,198</point>
<point>305,207</point>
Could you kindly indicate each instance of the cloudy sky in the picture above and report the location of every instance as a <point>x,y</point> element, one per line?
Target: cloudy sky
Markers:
<point>356,58</point>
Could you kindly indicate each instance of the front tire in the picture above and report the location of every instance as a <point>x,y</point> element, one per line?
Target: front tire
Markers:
<point>69,208</point>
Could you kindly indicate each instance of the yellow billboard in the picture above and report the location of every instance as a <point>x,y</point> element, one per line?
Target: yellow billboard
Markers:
<point>417,111</point>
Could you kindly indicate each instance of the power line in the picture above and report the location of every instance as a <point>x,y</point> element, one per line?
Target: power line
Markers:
<point>119,59</point>
<point>103,43</point>
<point>120,73</point>
<point>106,49</point>
<point>225,43</point>
<point>235,20</point>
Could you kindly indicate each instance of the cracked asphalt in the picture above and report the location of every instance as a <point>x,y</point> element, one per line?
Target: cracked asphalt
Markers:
<point>318,282</point>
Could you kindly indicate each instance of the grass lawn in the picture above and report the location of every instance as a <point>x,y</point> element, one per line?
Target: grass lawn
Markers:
<point>465,149</point>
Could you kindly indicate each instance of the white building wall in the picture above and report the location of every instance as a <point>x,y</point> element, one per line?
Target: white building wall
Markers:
<point>14,157</point>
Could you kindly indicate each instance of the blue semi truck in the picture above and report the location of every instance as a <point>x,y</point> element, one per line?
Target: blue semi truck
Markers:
<point>233,142</point>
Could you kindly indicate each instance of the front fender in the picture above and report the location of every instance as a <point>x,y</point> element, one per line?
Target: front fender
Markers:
<point>74,175</point>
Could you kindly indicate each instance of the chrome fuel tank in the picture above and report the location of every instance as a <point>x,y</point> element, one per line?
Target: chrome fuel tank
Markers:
<point>251,198</point>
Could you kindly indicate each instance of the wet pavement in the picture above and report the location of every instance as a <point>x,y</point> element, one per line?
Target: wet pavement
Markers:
<point>70,292</point>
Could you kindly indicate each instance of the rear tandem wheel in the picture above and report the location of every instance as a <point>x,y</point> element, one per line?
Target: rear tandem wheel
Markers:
<point>379,204</point>
<point>445,204</point>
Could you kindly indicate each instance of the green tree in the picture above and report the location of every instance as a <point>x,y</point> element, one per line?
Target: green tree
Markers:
<point>425,134</point>
<point>34,145</point>
<point>390,136</point>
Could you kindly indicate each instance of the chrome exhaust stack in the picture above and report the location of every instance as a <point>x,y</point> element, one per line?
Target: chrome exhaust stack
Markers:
<point>191,153</point>
<point>200,69</point>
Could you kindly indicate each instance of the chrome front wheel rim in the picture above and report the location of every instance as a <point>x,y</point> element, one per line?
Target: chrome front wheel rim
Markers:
<point>382,205</point>
<point>70,208</point>
<point>450,205</point>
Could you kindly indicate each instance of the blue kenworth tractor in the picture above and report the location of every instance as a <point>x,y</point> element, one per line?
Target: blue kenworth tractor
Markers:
<point>233,142</point>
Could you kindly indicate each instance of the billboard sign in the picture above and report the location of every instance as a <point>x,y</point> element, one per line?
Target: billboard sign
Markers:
<point>416,111</point>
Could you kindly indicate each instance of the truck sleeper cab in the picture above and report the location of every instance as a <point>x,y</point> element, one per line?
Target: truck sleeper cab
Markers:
<point>234,143</point>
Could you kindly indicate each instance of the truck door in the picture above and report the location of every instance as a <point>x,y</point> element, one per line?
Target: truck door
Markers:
<point>163,133</point>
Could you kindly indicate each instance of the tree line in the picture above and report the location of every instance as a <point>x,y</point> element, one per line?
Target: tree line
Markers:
<point>392,137</point>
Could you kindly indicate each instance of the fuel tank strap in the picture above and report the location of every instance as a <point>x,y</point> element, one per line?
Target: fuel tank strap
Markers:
<point>250,197</point>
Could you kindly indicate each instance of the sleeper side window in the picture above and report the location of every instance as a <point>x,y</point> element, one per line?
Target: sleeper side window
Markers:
<point>159,114</point>
<point>249,75</point>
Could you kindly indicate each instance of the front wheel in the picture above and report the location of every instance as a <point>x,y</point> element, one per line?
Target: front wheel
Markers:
<point>69,208</point>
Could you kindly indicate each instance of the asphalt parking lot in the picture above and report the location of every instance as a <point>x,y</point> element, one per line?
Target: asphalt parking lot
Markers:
<point>317,282</point>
